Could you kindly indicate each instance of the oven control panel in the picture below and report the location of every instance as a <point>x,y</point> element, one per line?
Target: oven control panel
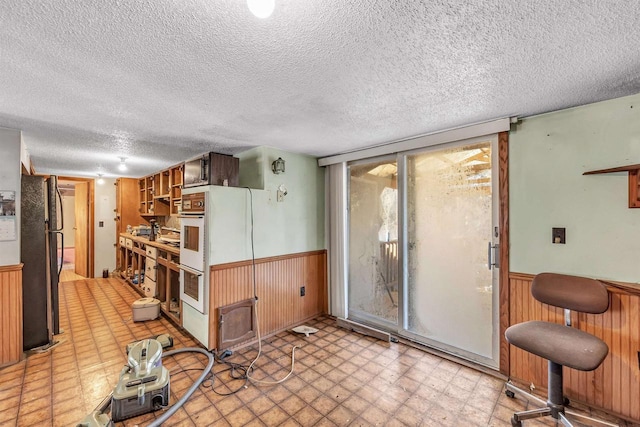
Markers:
<point>193,203</point>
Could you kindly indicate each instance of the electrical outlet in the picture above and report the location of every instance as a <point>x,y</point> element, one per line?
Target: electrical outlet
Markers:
<point>302,291</point>
<point>280,196</point>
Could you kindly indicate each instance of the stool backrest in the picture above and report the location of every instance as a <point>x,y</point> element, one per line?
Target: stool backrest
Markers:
<point>571,292</point>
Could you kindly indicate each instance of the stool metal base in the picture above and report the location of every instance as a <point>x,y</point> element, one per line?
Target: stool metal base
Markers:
<point>559,412</point>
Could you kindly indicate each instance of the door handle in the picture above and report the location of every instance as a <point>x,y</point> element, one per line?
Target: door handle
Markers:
<point>190,270</point>
<point>493,255</point>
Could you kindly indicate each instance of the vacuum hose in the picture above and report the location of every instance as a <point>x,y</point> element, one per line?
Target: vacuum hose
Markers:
<point>164,417</point>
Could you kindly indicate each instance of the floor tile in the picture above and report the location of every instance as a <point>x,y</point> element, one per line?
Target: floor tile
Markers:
<point>340,378</point>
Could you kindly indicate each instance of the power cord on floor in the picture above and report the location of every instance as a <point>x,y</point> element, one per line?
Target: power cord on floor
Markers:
<point>293,356</point>
<point>236,372</point>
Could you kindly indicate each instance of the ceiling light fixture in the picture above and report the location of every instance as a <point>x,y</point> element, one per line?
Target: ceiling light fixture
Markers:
<point>122,167</point>
<point>261,8</point>
<point>100,179</point>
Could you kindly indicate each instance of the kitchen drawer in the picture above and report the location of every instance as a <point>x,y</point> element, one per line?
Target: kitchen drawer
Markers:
<point>150,269</point>
<point>149,287</point>
<point>128,243</point>
<point>122,241</point>
<point>152,252</point>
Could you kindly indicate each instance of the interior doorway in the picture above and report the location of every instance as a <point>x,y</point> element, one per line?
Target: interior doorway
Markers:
<point>78,214</point>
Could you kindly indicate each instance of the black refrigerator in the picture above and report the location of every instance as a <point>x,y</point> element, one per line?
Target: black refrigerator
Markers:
<point>41,247</point>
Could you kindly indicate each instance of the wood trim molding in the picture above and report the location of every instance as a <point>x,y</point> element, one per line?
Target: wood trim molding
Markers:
<point>612,286</point>
<point>521,276</point>
<point>92,230</point>
<point>91,214</point>
<point>16,267</point>
<point>245,263</point>
<point>503,183</point>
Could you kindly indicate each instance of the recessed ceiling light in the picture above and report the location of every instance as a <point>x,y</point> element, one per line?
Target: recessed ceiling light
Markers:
<point>261,8</point>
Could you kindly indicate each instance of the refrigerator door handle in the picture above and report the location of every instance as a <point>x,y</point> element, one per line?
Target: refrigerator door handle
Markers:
<point>53,233</point>
<point>61,212</point>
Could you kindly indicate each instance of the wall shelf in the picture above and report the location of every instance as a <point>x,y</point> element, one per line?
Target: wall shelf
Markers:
<point>634,182</point>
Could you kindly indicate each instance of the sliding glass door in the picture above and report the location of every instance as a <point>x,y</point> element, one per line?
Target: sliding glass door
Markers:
<point>451,303</point>
<point>446,295</point>
<point>373,242</point>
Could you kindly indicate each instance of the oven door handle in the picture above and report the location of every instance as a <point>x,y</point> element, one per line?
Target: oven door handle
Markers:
<point>190,270</point>
<point>191,216</point>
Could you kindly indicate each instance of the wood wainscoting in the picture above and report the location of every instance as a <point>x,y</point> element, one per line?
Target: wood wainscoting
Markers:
<point>10,314</point>
<point>278,282</point>
<point>615,385</point>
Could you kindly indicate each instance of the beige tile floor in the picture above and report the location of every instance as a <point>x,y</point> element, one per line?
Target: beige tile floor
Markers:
<point>340,378</point>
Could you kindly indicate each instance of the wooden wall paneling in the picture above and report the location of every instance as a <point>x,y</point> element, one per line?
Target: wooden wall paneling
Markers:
<point>503,185</point>
<point>615,386</point>
<point>625,347</point>
<point>278,282</point>
<point>634,325</point>
<point>10,314</point>
<point>614,309</point>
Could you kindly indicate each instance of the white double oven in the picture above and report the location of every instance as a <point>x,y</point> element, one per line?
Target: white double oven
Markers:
<point>194,286</point>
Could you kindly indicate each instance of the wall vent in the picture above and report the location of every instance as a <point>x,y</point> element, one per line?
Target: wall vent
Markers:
<point>237,323</point>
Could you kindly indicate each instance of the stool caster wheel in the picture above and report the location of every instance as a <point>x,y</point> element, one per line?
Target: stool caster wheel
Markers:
<point>566,401</point>
<point>515,423</point>
<point>510,394</point>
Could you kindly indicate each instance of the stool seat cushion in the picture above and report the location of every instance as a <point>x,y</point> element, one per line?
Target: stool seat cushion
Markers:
<point>560,344</point>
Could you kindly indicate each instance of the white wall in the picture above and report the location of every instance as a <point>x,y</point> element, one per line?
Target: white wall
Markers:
<point>10,152</point>
<point>547,157</point>
<point>25,157</point>
<point>105,237</point>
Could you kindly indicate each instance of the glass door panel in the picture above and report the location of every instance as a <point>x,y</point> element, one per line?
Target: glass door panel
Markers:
<point>373,242</point>
<point>449,220</point>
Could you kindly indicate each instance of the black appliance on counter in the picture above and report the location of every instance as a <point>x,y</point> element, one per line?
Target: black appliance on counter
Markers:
<point>40,231</point>
<point>212,169</point>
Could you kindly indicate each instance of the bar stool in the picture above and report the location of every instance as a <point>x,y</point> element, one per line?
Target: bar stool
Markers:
<point>561,345</point>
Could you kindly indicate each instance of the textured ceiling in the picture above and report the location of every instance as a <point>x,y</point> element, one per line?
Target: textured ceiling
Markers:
<point>160,81</point>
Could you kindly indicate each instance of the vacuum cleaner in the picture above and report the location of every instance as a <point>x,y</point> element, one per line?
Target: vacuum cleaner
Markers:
<point>143,386</point>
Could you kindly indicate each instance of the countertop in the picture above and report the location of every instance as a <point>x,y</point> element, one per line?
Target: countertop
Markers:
<point>156,244</point>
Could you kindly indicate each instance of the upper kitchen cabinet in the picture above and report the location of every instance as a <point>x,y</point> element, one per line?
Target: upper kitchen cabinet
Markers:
<point>151,199</point>
<point>176,181</point>
<point>160,193</point>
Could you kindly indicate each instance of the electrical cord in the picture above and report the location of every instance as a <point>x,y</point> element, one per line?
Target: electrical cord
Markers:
<point>293,357</point>
<point>209,380</point>
<point>233,368</point>
<point>255,309</point>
